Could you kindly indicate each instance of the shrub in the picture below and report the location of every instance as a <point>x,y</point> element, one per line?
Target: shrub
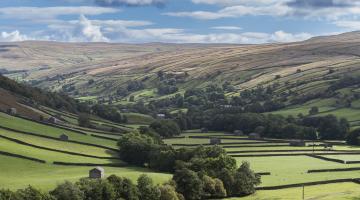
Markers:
<point>147,189</point>
<point>123,188</point>
<point>67,191</point>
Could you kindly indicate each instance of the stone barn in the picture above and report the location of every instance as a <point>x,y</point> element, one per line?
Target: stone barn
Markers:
<point>97,172</point>
<point>53,120</point>
<point>254,136</point>
<point>238,133</point>
<point>204,130</point>
<point>298,143</point>
<point>215,141</point>
<point>161,116</point>
<point>64,137</point>
<point>12,111</point>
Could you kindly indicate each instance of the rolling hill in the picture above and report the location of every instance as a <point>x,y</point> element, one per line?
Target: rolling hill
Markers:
<point>101,71</point>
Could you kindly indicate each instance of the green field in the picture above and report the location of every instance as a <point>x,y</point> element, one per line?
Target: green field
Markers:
<point>33,127</point>
<point>339,191</point>
<point>59,145</point>
<point>18,173</point>
<point>293,169</point>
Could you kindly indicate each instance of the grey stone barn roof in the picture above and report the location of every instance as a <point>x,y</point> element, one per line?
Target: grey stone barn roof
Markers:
<point>98,169</point>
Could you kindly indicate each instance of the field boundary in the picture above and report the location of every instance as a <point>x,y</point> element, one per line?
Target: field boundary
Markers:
<point>91,164</point>
<point>55,150</point>
<point>354,180</point>
<point>338,160</point>
<point>21,156</point>
<point>104,137</point>
<point>333,170</point>
<point>284,150</point>
<point>327,159</point>
<point>299,154</point>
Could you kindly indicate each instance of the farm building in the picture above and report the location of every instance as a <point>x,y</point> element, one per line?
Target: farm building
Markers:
<point>12,111</point>
<point>328,146</point>
<point>238,133</point>
<point>160,116</point>
<point>53,120</point>
<point>64,137</point>
<point>97,172</point>
<point>215,141</point>
<point>254,136</point>
<point>297,143</point>
<point>204,130</point>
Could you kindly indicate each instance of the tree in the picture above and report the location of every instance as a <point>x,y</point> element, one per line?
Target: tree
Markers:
<point>84,120</point>
<point>123,188</point>
<point>188,184</point>
<point>353,138</point>
<point>95,189</point>
<point>136,148</point>
<point>146,188</point>
<point>30,193</point>
<point>132,98</point>
<point>6,194</point>
<point>168,192</point>
<point>67,191</point>
<point>314,110</point>
<point>245,180</point>
<point>166,128</point>
<point>220,191</point>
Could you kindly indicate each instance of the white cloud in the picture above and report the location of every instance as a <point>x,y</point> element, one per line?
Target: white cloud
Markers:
<point>88,32</point>
<point>41,13</point>
<point>130,2</point>
<point>181,36</point>
<point>236,11</point>
<point>310,9</point>
<point>348,24</point>
<point>14,36</point>
<point>227,27</point>
<point>238,2</point>
<point>281,36</point>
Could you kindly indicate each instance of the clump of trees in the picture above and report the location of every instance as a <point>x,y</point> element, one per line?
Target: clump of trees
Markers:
<point>353,138</point>
<point>109,113</point>
<point>84,120</point>
<point>199,173</point>
<point>112,188</point>
<point>165,128</point>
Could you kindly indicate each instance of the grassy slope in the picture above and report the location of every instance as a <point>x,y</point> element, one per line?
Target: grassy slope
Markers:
<point>18,173</point>
<point>293,169</point>
<point>33,127</point>
<point>64,146</point>
<point>340,191</point>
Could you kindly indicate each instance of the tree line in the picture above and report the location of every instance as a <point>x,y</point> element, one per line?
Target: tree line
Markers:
<point>199,173</point>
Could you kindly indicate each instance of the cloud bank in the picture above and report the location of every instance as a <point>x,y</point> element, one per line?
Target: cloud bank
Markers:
<point>115,3</point>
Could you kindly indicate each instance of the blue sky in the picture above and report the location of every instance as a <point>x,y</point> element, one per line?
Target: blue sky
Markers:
<point>176,21</point>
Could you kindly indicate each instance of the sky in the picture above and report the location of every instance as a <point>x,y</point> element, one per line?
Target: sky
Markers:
<point>176,21</point>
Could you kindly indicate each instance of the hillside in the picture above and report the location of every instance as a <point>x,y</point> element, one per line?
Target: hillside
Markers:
<point>245,66</point>
<point>123,74</point>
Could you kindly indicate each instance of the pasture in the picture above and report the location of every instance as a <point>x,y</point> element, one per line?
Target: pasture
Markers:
<point>339,191</point>
<point>287,164</point>
<point>30,153</point>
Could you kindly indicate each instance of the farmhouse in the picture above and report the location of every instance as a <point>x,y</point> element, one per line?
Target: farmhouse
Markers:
<point>297,143</point>
<point>53,120</point>
<point>204,130</point>
<point>215,141</point>
<point>12,111</point>
<point>97,172</point>
<point>160,116</point>
<point>254,136</point>
<point>64,137</point>
<point>238,133</point>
